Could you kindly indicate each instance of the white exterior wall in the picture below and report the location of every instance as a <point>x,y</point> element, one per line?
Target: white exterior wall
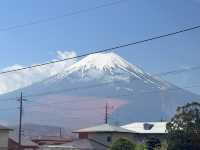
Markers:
<point>4,139</point>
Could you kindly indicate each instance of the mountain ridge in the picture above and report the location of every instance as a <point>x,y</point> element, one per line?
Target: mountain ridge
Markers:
<point>145,98</point>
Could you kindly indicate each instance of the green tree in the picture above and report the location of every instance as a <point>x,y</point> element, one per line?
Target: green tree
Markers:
<point>123,144</point>
<point>153,143</point>
<point>184,128</point>
<point>141,147</point>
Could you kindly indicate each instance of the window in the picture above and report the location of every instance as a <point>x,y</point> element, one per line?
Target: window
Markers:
<point>109,139</point>
<point>148,126</point>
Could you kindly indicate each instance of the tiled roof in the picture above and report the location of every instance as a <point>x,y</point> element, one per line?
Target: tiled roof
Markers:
<point>104,128</point>
<point>147,127</point>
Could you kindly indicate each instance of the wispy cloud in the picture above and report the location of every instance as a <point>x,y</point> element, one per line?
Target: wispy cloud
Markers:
<point>13,81</point>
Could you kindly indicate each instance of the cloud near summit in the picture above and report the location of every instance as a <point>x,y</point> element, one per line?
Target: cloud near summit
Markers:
<point>19,79</point>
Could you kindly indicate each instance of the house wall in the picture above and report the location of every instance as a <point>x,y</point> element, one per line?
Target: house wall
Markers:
<point>4,139</point>
<point>83,135</point>
<point>101,139</point>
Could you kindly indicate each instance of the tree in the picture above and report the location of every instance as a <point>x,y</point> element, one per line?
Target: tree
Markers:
<point>123,144</point>
<point>153,143</point>
<point>184,128</point>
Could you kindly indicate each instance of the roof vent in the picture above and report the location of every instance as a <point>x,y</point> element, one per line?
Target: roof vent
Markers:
<point>148,126</point>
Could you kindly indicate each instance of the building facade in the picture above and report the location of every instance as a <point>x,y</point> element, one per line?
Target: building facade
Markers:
<point>101,137</point>
<point>4,133</point>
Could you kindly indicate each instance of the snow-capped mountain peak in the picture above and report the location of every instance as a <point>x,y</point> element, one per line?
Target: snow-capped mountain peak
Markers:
<point>103,62</point>
<point>104,66</point>
<point>97,79</point>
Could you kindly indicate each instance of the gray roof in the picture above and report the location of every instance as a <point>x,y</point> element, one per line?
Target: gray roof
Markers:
<point>24,142</point>
<point>80,144</point>
<point>104,128</point>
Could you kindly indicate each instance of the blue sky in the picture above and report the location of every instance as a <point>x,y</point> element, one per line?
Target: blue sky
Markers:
<point>126,22</point>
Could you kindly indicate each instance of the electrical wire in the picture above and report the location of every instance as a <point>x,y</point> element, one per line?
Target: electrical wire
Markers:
<point>173,72</point>
<point>73,13</point>
<point>107,49</point>
<point>132,93</point>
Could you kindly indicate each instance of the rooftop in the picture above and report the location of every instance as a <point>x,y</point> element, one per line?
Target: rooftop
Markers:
<point>25,141</point>
<point>147,127</point>
<point>104,128</point>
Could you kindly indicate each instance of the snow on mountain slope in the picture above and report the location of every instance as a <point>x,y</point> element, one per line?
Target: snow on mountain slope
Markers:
<point>104,62</point>
<point>107,67</point>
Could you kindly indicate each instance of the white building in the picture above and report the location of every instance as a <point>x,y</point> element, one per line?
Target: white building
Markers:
<point>102,136</point>
<point>4,133</point>
<point>145,131</point>
<point>147,127</point>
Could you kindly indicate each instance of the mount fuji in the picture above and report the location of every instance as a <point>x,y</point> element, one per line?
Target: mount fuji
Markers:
<point>76,97</point>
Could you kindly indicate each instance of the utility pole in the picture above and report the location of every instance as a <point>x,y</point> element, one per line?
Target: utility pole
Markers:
<point>20,119</point>
<point>107,107</point>
<point>106,113</point>
<point>60,130</point>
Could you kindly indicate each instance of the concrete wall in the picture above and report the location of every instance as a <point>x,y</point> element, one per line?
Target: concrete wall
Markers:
<point>4,139</point>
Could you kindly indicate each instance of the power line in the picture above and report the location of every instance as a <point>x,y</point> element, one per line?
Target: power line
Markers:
<point>156,91</point>
<point>107,49</point>
<point>120,95</point>
<point>51,105</point>
<point>132,94</point>
<point>73,13</point>
<point>173,72</point>
<point>71,89</point>
<point>177,71</point>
